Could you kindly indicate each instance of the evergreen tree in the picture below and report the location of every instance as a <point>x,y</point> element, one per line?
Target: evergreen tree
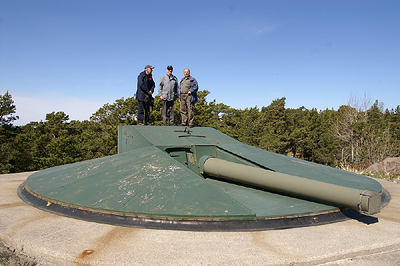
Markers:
<point>7,110</point>
<point>326,151</point>
<point>240,124</point>
<point>273,127</point>
<point>7,132</point>
<point>122,112</point>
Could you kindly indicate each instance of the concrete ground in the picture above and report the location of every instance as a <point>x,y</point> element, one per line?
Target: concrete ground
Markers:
<point>49,239</point>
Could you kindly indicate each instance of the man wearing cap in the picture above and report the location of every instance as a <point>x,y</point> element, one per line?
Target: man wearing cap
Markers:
<point>168,92</point>
<point>145,89</point>
<point>189,88</point>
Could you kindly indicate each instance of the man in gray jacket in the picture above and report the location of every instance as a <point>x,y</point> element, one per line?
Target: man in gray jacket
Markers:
<point>168,92</point>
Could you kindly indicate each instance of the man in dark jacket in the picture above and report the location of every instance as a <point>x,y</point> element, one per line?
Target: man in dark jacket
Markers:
<point>145,89</point>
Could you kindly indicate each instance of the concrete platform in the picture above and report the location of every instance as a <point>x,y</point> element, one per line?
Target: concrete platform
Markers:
<point>55,240</point>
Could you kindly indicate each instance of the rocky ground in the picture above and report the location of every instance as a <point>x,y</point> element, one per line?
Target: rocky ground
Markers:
<point>388,169</point>
<point>13,258</point>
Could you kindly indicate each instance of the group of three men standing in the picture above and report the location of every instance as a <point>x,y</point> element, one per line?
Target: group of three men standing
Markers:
<point>168,92</point>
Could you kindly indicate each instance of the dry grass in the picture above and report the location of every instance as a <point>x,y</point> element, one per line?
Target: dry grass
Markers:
<point>10,257</point>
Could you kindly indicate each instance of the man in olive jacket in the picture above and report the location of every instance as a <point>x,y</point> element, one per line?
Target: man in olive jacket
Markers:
<point>145,89</point>
<point>189,88</point>
<point>168,92</point>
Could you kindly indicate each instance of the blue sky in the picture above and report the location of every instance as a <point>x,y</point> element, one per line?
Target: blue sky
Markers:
<point>75,56</point>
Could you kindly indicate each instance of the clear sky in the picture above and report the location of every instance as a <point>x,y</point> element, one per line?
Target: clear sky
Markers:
<point>77,55</point>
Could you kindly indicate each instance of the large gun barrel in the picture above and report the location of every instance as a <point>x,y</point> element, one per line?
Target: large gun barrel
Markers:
<point>361,200</point>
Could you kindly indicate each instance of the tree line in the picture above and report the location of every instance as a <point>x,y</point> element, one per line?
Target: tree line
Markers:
<point>353,137</point>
